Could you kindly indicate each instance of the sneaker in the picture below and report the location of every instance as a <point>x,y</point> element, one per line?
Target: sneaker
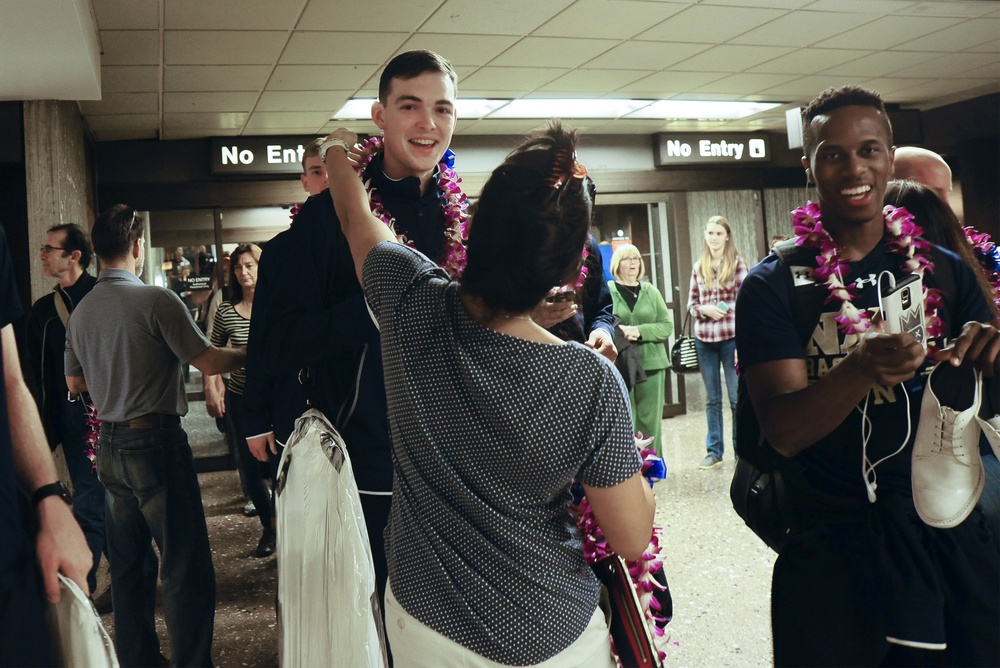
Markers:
<point>947,471</point>
<point>710,462</point>
<point>249,509</point>
<point>102,601</point>
<point>266,546</point>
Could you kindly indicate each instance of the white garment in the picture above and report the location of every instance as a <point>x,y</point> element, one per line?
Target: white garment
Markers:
<point>416,645</point>
<point>328,613</point>
<point>78,636</point>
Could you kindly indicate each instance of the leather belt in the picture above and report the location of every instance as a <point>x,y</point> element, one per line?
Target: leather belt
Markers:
<point>149,421</point>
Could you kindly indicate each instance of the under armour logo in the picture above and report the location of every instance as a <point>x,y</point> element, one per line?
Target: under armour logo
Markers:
<point>872,280</point>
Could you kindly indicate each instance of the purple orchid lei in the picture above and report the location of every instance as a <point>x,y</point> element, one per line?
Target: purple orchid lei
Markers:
<point>596,548</point>
<point>93,426</point>
<point>988,254</point>
<point>904,240</point>
<point>454,204</point>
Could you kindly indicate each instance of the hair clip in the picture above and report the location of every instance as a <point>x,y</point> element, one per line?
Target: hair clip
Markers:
<point>564,166</point>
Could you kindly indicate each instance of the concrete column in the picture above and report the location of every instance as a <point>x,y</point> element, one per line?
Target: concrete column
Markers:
<point>56,170</point>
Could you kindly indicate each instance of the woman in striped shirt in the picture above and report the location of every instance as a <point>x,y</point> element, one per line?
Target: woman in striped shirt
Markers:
<point>716,278</point>
<point>232,327</point>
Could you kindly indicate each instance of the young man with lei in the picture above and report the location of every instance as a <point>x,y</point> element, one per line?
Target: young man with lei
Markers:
<point>862,581</point>
<point>309,311</point>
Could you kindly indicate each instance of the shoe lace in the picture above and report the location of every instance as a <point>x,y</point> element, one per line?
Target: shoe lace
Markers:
<point>945,443</point>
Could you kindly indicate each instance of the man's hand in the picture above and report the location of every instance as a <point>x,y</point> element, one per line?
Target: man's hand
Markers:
<point>888,359</point>
<point>215,405</point>
<point>550,313</point>
<point>602,342</point>
<point>978,345</point>
<point>259,445</point>
<point>61,547</point>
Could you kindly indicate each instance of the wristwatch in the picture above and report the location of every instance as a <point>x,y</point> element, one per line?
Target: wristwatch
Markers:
<point>331,142</point>
<point>52,489</point>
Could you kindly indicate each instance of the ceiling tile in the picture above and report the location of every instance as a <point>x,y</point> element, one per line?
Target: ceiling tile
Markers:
<point>803,28</point>
<point>667,84</point>
<point>287,119</point>
<point>772,4</point>
<point>888,31</point>
<point>505,127</point>
<point>727,58</point>
<point>198,133</point>
<point>222,47</point>
<point>879,7</point>
<point>511,17</point>
<point>215,77</point>
<point>132,15</point>
<point>802,89</point>
<point>887,87</point>
<point>513,78</point>
<point>461,50</point>
<point>320,77</point>
<point>619,19</point>
<point>130,47</point>
<point>222,121</point>
<point>710,24</point>
<point>878,64</point>
<point>648,55</point>
<point>116,127</point>
<point>552,51</point>
<point>593,83</point>
<point>927,91</point>
<point>231,14</point>
<point>402,17</point>
<point>968,33</point>
<point>945,66</point>
<point>208,102</point>
<point>328,101</point>
<point>988,47</point>
<point>968,9</point>
<point>746,84</point>
<point>807,61</point>
<point>341,48</point>
<point>122,103</point>
<point>130,78</point>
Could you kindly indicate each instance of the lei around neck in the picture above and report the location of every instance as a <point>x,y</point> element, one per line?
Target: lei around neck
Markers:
<point>454,205</point>
<point>902,239</point>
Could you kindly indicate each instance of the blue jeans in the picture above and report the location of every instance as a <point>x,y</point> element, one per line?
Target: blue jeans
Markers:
<point>710,356</point>
<point>152,490</point>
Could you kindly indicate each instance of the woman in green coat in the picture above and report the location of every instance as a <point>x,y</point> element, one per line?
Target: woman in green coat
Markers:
<point>646,322</point>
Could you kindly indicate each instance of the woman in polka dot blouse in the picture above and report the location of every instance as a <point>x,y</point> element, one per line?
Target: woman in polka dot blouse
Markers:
<point>491,418</point>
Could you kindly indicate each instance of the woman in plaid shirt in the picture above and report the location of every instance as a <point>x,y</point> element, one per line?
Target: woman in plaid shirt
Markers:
<point>716,278</point>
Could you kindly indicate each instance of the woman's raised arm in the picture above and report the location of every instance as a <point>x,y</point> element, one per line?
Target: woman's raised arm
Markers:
<point>362,229</point>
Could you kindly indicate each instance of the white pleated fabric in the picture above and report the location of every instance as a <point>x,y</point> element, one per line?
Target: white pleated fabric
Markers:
<point>79,638</point>
<point>328,612</point>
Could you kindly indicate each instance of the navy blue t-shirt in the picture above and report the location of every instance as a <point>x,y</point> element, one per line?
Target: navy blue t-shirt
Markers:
<point>11,534</point>
<point>765,331</point>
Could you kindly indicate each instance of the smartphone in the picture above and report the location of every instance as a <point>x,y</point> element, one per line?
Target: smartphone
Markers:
<point>903,307</point>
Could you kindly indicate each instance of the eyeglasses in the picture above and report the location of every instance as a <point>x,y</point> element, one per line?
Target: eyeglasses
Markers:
<point>48,249</point>
<point>631,259</point>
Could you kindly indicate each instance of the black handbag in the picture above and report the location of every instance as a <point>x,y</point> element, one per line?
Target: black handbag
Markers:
<point>684,354</point>
<point>759,499</point>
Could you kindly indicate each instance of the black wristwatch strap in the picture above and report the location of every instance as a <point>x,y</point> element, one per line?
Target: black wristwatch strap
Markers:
<point>52,489</point>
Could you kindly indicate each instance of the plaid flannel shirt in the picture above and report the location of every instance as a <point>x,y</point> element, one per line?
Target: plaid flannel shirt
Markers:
<point>706,329</point>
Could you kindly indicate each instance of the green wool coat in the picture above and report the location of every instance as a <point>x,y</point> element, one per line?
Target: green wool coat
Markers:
<point>653,320</point>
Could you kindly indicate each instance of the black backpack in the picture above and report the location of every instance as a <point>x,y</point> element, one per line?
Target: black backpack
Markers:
<point>758,489</point>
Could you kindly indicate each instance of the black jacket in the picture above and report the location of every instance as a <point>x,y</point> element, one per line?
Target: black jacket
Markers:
<point>310,316</point>
<point>46,345</point>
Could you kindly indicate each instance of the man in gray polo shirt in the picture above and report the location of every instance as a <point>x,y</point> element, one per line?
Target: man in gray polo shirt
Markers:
<point>126,344</point>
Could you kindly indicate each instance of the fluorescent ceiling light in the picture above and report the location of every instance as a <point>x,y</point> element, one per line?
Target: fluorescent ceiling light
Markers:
<point>699,109</point>
<point>468,108</point>
<point>568,108</point>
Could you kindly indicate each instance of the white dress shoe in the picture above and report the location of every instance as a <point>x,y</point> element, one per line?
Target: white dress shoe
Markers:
<point>947,471</point>
<point>990,424</point>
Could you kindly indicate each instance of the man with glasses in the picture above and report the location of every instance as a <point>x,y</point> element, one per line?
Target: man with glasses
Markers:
<point>126,344</point>
<point>65,257</point>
